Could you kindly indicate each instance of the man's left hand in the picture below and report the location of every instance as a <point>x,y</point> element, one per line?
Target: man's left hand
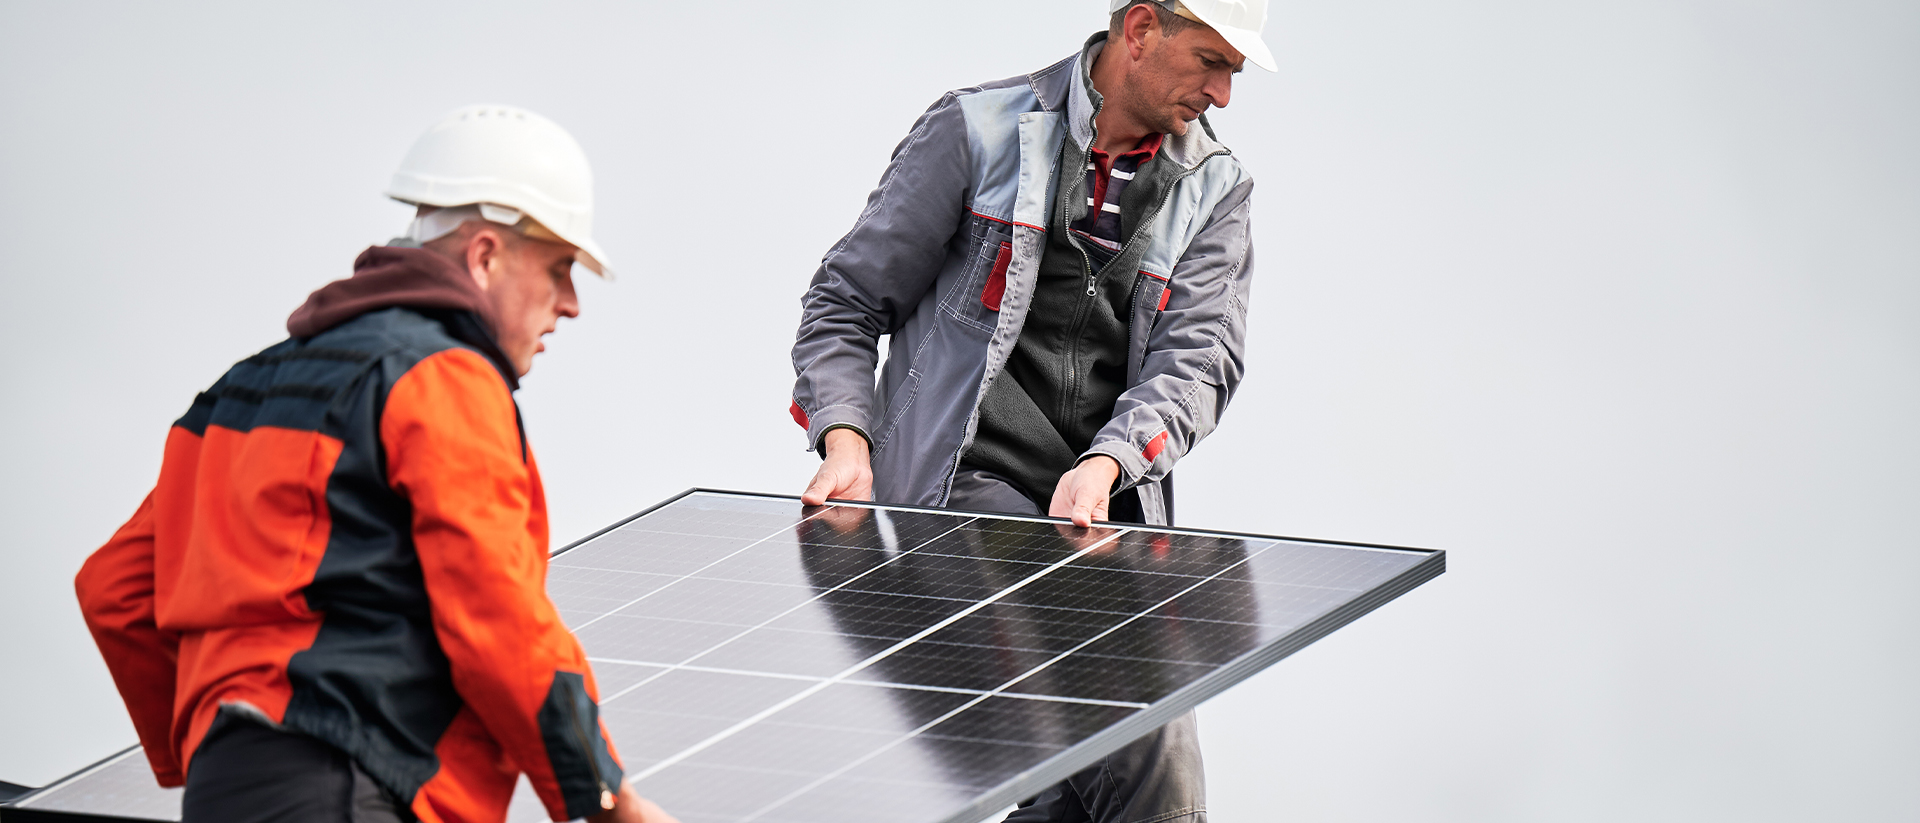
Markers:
<point>630,807</point>
<point>1083,494</point>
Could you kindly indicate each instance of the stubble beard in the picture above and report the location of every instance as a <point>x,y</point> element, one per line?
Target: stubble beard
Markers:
<point>1158,118</point>
<point>1168,121</point>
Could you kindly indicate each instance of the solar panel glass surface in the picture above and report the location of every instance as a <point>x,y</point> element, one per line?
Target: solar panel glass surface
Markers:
<point>762,661</point>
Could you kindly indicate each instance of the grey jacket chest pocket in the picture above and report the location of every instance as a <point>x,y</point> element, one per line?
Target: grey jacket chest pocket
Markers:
<point>976,301</point>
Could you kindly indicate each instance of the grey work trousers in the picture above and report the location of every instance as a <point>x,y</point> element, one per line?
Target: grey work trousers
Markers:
<point>1156,779</point>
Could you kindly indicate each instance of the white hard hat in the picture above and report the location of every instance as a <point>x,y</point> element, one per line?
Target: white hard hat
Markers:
<point>1238,21</point>
<point>504,156</point>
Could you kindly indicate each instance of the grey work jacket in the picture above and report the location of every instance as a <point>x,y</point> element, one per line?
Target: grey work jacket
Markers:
<point>960,215</point>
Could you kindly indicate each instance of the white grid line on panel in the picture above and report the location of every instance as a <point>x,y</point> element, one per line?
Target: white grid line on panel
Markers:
<point>996,692</point>
<point>795,608</point>
<point>888,684</point>
<point>891,547</point>
<point>877,657</point>
<point>629,604</point>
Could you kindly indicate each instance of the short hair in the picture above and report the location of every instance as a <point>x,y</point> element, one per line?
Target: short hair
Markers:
<point>1170,23</point>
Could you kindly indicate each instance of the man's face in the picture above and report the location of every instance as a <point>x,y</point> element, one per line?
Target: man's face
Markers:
<point>531,288</point>
<point>1175,79</point>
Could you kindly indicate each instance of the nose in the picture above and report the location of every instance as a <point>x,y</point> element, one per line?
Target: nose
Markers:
<point>568,304</point>
<point>1219,88</point>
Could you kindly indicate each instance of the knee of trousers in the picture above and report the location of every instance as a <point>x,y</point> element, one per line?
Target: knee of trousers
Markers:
<point>1158,777</point>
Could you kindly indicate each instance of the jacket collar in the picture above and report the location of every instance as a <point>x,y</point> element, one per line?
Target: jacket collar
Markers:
<point>1069,84</point>
<point>1083,100</point>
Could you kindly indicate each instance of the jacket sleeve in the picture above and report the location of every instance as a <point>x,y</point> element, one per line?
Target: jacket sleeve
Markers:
<point>454,450</point>
<point>1195,351</point>
<point>116,587</point>
<point>870,282</point>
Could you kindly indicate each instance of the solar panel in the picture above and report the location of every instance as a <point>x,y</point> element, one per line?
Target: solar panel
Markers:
<point>763,662</point>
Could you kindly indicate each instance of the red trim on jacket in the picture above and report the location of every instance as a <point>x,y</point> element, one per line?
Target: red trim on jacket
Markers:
<point>997,279</point>
<point>1007,222</point>
<point>799,414</point>
<point>1154,446</point>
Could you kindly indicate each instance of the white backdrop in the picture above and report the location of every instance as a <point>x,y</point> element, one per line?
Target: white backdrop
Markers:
<point>1619,302</point>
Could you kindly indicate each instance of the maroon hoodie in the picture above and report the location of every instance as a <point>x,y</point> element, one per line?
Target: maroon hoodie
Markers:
<point>386,276</point>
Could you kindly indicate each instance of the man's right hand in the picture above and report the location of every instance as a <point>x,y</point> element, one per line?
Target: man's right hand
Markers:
<point>632,808</point>
<point>845,474</point>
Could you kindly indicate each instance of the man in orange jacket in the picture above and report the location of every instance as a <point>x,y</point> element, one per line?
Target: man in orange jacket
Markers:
<point>332,606</point>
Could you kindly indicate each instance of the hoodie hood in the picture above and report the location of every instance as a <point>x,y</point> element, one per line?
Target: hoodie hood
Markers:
<point>392,276</point>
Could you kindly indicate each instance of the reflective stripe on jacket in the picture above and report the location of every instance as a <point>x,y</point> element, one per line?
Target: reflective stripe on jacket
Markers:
<point>945,257</point>
<point>349,536</point>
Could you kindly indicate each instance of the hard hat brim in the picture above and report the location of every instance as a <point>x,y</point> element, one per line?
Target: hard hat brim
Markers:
<point>590,255</point>
<point>1245,41</point>
<point>409,191</point>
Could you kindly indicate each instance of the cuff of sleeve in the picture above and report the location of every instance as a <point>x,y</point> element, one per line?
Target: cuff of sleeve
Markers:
<point>1133,465</point>
<point>820,445</point>
<point>834,417</point>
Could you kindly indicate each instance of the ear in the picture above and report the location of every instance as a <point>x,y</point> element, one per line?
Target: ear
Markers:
<point>484,256</point>
<point>1140,23</point>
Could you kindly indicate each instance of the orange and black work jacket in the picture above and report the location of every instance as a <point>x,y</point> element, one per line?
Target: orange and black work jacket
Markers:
<point>349,537</point>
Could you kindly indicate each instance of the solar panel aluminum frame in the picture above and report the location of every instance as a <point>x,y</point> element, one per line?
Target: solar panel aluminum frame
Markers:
<point>1077,756</point>
<point>1090,750</point>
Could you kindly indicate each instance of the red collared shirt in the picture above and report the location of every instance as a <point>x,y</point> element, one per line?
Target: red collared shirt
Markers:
<point>1107,177</point>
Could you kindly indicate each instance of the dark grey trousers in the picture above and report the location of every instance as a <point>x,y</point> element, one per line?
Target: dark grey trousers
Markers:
<point>248,772</point>
<point>1156,779</point>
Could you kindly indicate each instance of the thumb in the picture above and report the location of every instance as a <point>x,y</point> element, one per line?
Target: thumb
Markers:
<point>817,490</point>
<point>1082,508</point>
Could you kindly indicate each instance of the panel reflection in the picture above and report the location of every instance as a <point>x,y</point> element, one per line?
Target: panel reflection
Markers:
<point>1080,628</point>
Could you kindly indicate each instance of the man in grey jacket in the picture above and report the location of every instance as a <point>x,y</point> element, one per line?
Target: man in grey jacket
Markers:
<point>1062,262</point>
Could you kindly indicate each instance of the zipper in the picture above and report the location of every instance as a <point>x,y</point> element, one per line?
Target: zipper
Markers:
<point>1072,394</point>
<point>953,467</point>
<point>607,799</point>
<point>1070,397</point>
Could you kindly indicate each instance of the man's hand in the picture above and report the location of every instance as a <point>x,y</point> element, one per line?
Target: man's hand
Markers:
<point>630,807</point>
<point>846,474</point>
<point>1083,494</point>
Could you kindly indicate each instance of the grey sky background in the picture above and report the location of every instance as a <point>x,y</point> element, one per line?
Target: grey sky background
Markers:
<point>1618,302</point>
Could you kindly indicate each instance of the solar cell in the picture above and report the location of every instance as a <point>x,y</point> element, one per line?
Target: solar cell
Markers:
<point>764,662</point>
